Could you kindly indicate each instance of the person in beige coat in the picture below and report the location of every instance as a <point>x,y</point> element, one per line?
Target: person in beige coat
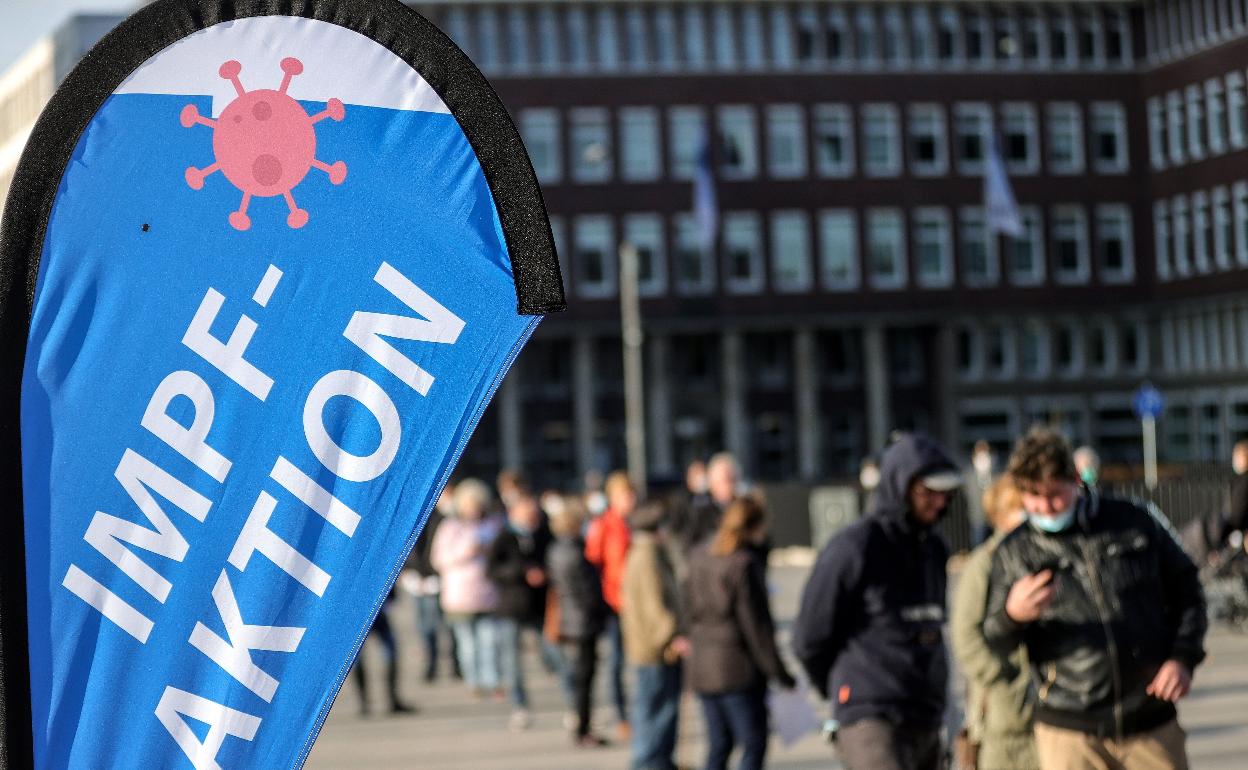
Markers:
<point>998,699</point>
<point>649,620</point>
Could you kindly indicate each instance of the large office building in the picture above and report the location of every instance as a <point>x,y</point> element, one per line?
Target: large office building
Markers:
<point>855,286</point>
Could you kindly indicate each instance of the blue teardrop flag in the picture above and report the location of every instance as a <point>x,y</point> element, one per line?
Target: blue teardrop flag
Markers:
<point>262,274</point>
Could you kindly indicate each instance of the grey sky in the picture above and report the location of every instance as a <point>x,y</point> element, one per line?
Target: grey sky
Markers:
<point>22,22</point>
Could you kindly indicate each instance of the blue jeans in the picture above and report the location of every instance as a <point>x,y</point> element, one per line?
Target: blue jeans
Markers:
<point>615,665</point>
<point>429,623</point>
<point>509,663</point>
<point>476,640</point>
<point>656,706</point>
<point>736,718</point>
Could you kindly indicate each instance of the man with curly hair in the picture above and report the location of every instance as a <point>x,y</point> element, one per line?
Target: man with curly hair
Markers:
<point>1109,609</point>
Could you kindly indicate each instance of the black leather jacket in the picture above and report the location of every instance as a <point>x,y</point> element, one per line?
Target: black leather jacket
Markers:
<point>1128,599</point>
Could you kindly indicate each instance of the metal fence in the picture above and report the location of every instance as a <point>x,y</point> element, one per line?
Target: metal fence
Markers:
<point>808,515</point>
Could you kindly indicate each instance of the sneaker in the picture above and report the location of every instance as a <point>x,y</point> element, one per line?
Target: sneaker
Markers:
<point>520,720</point>
<point>591,741</point>
<point>399,707</point>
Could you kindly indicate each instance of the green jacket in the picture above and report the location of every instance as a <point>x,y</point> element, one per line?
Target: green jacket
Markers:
<point>999,701</point>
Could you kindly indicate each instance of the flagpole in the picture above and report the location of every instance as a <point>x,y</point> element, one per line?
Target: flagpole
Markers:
<point>634,398</point>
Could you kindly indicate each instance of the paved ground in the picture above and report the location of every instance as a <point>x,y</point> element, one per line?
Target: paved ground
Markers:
<point>452,731</point>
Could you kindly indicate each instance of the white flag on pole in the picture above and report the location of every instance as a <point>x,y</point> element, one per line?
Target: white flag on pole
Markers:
<point>1000,207</point>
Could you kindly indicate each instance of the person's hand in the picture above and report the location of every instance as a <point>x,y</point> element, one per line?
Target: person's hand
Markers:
<point>1173,681</point>
<point>1030,595</point>
<point>535,577</point>
<point>680,646</point>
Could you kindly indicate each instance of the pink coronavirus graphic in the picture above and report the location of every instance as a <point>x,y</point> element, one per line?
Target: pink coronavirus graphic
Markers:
<point>264,143</point>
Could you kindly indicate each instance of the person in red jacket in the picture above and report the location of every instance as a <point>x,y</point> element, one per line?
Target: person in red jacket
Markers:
<point>606,547</point>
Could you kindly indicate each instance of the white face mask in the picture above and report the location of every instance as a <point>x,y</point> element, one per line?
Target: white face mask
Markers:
<point>983,463</point>
<point>869,477</point>
<point>1053,524</point>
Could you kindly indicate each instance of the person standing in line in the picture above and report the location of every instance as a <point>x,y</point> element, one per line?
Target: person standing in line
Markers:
<point>870,628</point>
<point>649,621</point>
<point>732,645</point>
<point>723,478</point>
<point>460,548</point>
<point>1109,609</point>
<point>517,566</point>
<point>684,502</point>
<point>1237,514</point>
<point>384,634</point>
<point>578,616</point>
<point>606,547</point>
<point>424,583</point>
<point>1087,466</point>
<point>999,701</point>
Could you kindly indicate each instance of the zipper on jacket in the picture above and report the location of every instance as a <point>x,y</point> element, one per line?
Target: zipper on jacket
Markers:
<point>1102,609</point>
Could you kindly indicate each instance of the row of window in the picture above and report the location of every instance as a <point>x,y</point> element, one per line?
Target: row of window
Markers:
<point>1202,232</point>
<point>1039,348</point>
<point>753,36</point>
<point>1197,424</point>
<point>883,248</point>
<point>1174,29</point>
<point>1212,338</point>
<point>823,140</point>
<point>1203,120</point>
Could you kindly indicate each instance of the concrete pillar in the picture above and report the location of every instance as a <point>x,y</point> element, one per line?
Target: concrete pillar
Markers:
<point>583,398</point>
<point>946,386</point>
<point>732,363</point>
<point>875,380</point>
<point>659,406</point>
<point>510,422</point>
<point>806,403</point>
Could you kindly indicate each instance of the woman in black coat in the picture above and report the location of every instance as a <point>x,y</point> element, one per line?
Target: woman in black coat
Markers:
<point>732,638</point>
<point>582,614</point>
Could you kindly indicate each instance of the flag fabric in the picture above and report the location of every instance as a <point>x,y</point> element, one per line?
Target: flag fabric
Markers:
<point>1000,207</point>
<point>705,202</point>
<point>277,270</point>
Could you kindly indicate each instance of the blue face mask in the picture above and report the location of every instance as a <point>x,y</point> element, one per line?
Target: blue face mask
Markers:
<point>1052,524</point>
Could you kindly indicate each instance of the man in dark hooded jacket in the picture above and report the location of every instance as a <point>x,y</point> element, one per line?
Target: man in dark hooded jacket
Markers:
<point>869,631</point>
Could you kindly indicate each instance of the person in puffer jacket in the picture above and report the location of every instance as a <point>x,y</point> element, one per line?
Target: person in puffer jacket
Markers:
<point>1110,611</point>
<point>869,629</point>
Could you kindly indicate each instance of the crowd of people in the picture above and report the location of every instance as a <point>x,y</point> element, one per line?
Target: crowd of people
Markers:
<point>1077,624</point>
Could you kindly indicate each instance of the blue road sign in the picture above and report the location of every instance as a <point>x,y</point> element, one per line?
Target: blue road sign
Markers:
<point>1148,402</point>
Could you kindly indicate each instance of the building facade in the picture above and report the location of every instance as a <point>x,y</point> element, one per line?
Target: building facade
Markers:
<point>855,287</point>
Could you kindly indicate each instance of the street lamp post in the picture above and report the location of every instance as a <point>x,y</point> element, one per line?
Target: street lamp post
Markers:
<point>634,398</point>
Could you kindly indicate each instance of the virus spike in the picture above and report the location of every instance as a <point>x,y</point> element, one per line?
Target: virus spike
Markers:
<point>337,172</point>
<point>230,71</point>
<point>297,217</point>
<point>195,176</point>
<point>291,66</point>
<point>239,219</point>
<point>190,116</point>
<point>333,110</point>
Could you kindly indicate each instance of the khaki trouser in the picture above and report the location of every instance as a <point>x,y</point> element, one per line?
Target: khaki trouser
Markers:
<point>1159,749</point>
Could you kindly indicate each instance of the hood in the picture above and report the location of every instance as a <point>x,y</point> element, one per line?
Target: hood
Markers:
<point>911,456</point>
